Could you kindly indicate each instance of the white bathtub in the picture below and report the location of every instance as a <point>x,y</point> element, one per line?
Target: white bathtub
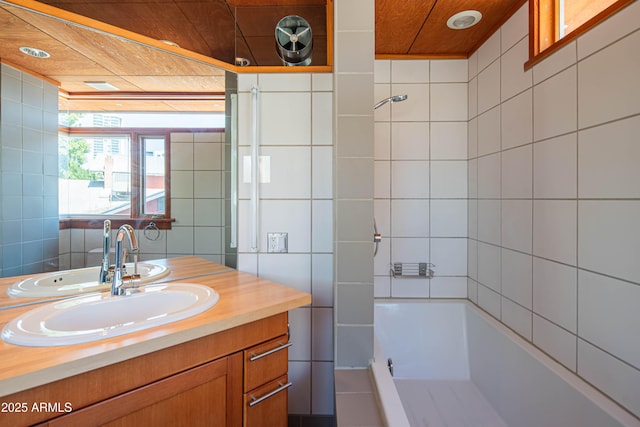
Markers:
<point>455,365</point>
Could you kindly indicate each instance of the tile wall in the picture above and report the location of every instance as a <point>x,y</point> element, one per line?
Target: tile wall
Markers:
<point>28,174</point>
<point>421,176</point>
<point>554,197</point>
<point>296,138</point>
<point>197,204</point>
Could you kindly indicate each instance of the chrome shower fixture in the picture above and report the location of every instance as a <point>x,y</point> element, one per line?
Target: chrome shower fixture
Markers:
<point>392,99</point>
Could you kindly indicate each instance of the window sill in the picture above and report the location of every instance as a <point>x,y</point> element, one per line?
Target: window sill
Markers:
<point>98,223</point>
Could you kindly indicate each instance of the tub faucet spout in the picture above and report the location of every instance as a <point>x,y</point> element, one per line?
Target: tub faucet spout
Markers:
<point>106,273</point>
<point>121,280</point>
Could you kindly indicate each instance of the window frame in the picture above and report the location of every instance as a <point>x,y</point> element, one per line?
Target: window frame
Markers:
<point>542,23</point>
<point>136,219</point>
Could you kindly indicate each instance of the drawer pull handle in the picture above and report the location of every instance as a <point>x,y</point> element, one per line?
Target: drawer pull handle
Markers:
<point>266,353</point>
<point>268,395</point>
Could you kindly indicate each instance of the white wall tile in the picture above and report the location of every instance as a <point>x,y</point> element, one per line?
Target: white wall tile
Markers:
<point>322,118</point>
<point>472,223</point>
<point>607,305</point>
<point>613,377</point>
<point>489,51</point>
<point>322,172</point>
<point>609,237</point>
<point>555,341</point>
<point>280,82</point>
<point>449,256</point>
<point>180,241</point>
<point>515,79</point>
<point>472,97</point>
<point>517,224</point>
<point>322,280</point>
<point>489,301</point>
<point>555,168</point>
<point>517,318</point>
<point>322,388</point>
<point>409,288</point>
<point>516,277</point>
<point>449,70</point>
<point>290,175</point>
<point>517,174</point>
<point>555,105</point>
<point>606,92</point>
<point>206,156</point>
<point>207,184</point>
<point>293,270</point>
<point>555,230</point>
<point>449,179</point>
<point>322,334</point>
<point>448,102</point>
<point>410,71</point>
<point>287,216</point>
<point>382,286</point>
<point>472,259</point>
<point>382,179</point>
<point>415,108</point>
<point>299,394</point>
<point>410,218</point>
<point>449,141</point>
<point>472,290</point>
<point>516,120</point>
<point>382,136</point>
<point>489,87</point>
<point>382,71</point>
<point>472,178</point>
<point>489,266</point>
<point>181,155</point>
<point>410,179</point>
<point>322,82</point>
<point>608,160</point>
<point>448,287</point>
<point>489,217</point>
<point>410,250</point>
<point>473,65</point>
<point>489,132</point>
<point>555,293</point>
<point>515,28</point>
<point>489,181</point>
<point>613,28</point>
<point>410,141</point>
<point>556,62</point>
<point>322,226</point>
<point>448,218</point>
<point>291,111</point>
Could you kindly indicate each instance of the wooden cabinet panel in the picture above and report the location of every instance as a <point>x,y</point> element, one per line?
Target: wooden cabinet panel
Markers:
<point>208,395</point>
<point>265,362</point>
<point>267,406</point>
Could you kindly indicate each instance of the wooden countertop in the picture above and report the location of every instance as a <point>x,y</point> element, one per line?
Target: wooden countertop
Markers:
<point>179,268</point>
<point>244,298</point>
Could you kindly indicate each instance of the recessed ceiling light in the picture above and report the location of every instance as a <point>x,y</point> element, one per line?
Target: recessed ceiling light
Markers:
<point>464,19</point>
<point>36,53</point>
<point>101,85</point>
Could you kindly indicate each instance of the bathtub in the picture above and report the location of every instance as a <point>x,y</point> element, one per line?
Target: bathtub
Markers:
<point>453,365</point>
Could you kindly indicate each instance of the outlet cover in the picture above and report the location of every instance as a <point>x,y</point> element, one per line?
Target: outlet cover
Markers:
<point>277,242</point>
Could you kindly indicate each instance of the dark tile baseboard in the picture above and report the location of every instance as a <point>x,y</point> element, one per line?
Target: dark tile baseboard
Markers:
<point>312,420</point>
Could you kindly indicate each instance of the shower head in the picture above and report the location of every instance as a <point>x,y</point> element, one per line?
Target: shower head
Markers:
<point>392,99</point>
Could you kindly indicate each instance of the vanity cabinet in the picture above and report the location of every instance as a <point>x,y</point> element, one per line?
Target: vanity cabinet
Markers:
<point>236,377</point>
<point>266,384</point>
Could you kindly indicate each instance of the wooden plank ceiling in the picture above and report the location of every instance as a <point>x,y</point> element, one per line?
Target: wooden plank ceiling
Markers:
<point>218,29</point>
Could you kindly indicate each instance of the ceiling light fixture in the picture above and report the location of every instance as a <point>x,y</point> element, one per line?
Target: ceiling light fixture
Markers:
<point>170,43</point>
<point>101,85</point>
<point>36,53</point>
<point>464,19</point>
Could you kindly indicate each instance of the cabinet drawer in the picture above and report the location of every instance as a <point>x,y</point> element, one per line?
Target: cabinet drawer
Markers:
<point>265,362</point>
<point>267,405</point>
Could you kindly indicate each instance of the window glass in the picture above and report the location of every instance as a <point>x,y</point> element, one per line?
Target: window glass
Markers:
<point>94,174</point>
<point>153,180</point>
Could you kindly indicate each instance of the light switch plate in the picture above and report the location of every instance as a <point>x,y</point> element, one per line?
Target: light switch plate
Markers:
<point>277,242</point>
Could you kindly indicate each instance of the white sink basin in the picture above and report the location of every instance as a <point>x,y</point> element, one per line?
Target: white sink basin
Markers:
<point>71,282</point>
<point>97,316</point>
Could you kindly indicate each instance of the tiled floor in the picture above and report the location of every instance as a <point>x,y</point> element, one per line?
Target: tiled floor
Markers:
<point>355,400</point>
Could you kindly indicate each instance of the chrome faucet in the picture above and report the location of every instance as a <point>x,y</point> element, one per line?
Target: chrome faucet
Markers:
<point>106,273</point>
<point>121,280</point>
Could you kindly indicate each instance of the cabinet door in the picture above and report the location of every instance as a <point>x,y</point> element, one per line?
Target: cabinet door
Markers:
<point>265,362</point>
<point>208,395</point>
<point>267,406</point>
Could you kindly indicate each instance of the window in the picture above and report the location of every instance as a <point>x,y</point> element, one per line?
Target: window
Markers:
<point>556,22</point>
<point>128,179</point>
<point>117,165</point>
